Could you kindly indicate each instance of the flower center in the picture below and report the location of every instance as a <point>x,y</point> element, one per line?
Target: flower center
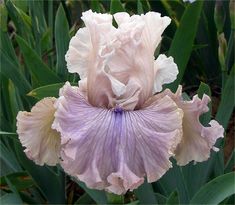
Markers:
<point>118,110</point>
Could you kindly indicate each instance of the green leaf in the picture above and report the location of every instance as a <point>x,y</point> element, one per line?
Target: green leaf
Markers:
<point>50,182</point>
<point>42,73</point>
<point>20,180</point>
<point>21,20</point>
<point>13,189</point>
<point>140,9</point>
<point>23,5</point>
<point>45,41</point>
<point>10,199</point>
<point>95,5</point>
<point>116,6</point>
<point>216,190</point>
<point>9,64</point>
<point>146,5</point>
<point>223,115</point>
<point>174,180</point>
<point>145,194</point>
<point>3,17</point>
<point>97,195</point>
<point>161,199</point>
<point>7,47</point>
<point>84,199</point>
<point>15,102</point>
<point>38,22</point>
<point>205,89</point>
<point>229,60</point>
<point>227,100</point>
<point>7,133</point>
<point>230,163</point>
<point>114,199</point>
<point>61,40</point>
<point>183,40</point>
<point>173,199</point>
<point>47,91</point>
<point>9,158</point>
<point>133,203</point>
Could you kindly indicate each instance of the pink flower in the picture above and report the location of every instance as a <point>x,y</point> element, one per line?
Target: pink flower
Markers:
<point>113,130</point>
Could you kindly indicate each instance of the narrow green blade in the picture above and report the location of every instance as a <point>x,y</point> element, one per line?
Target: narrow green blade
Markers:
<point>116,6</point>
<point>183,40</point>
<point>145,194</point>
<point>61,41</point>
<point>42,73</point>
<point>216,190</point>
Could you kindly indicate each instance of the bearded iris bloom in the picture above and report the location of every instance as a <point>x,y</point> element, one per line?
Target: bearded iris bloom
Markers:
<point>118,126</point>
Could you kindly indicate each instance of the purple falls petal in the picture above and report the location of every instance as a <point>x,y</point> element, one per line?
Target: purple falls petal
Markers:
<point>115,149</point>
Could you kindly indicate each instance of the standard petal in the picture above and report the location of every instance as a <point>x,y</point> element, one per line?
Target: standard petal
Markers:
<point>115,149</point>
<point>165,71</point>
<point>78,56</point>
<point>155,25</point>
<point>197,140</point>
<point>35,133</point>
<point>119,60</point>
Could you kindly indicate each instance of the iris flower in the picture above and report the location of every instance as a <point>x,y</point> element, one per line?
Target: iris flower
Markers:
<point>119,125</point>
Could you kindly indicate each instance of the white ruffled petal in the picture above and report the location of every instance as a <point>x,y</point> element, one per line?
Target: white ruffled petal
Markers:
<point>119,60</point>
<point>165,71</point>
<point>79,53</point>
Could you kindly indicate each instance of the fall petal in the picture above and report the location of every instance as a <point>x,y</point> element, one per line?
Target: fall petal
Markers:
<point>197,140</point>
<point>115,149</point>
<point>35,133</point>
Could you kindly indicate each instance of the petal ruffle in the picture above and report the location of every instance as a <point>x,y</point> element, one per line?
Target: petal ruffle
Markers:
<point>165,71</point>
<point>197,140</point>
<point>35,133</point>
<point>119,60</point>
<point>154,25</point>
<point>115,149</point>
<point>79,53</point>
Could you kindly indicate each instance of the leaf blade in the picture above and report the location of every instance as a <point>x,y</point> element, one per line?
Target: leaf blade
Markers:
<point>216,190</point>
<point>39,69</point>
<point>184,38</point>
<point>61,40</point>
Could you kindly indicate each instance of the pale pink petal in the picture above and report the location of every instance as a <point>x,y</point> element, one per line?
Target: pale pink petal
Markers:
<point>197,140</point>
<point>121,18</point>
<point>115,149</point>
<point>42,143</point>
<point>165,71</point>
<point>155,25</point>
<point>119,60</point>
<point>79,54</point>
<point>130,64</point>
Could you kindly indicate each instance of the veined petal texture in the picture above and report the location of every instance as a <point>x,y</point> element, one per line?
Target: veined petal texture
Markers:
<point>35,133</point>
<point>115,149</point>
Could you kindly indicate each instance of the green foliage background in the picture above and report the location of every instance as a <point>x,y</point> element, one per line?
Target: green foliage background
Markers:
<point>34,39</point>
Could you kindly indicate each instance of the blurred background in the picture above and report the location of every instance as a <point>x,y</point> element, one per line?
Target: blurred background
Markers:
<point>34,39</point>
